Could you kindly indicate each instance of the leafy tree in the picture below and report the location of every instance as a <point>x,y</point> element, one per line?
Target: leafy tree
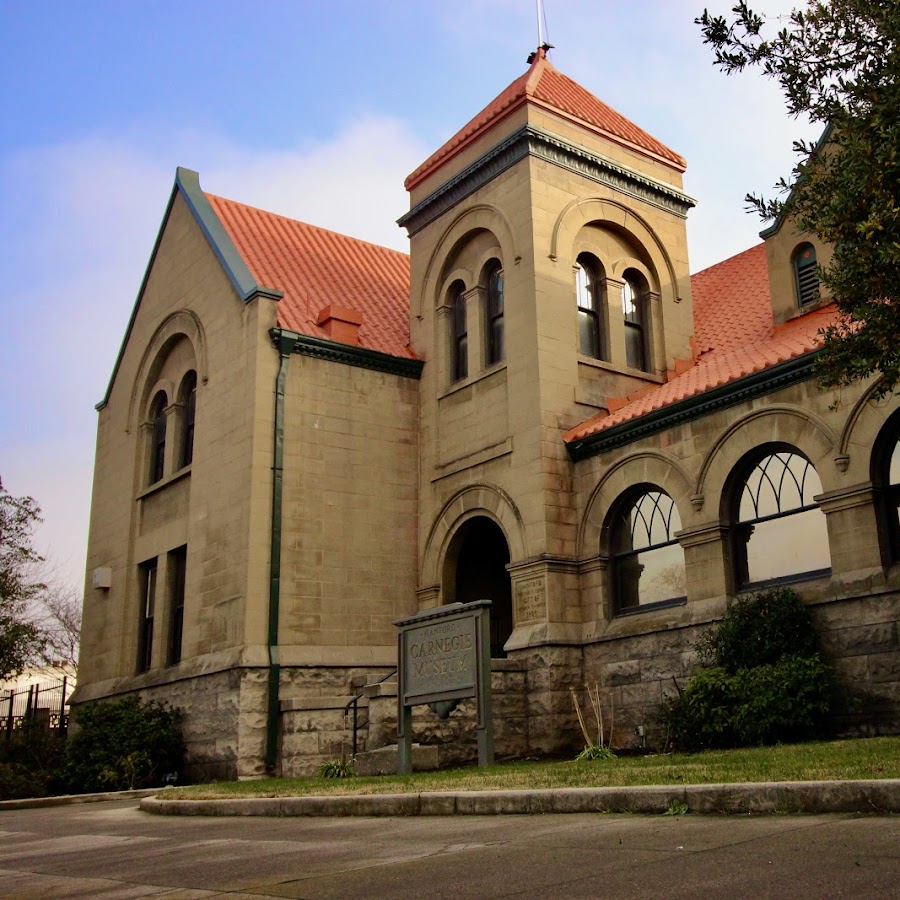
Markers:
<point>21,640</point>
<point>838,63</point>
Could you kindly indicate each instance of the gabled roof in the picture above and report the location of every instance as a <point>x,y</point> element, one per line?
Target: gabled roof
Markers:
<point>735,338</point>
<point>544,86</point>
<point>316,268</point>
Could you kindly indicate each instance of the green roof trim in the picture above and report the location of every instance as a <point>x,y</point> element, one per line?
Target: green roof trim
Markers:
<point>362,357</point>
<point>781,375</point>
<point>531,140</point>
<point>187,184</point>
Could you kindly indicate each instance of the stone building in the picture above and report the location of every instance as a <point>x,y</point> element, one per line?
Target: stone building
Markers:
<point>306,437</point>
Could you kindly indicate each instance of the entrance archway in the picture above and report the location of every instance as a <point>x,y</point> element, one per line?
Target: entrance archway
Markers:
<point>475,569</point>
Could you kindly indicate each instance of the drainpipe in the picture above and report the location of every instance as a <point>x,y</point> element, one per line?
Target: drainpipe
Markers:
<point>285,344</point>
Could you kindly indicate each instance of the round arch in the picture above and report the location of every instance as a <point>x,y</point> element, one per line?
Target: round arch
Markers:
<point>475,500</point>
<point>181,324</point>
<point>483,217</point>
<point>782,424</point>
<point>582,212</point>
<point>646,467</point>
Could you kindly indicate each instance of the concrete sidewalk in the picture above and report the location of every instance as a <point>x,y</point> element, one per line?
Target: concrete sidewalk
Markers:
<point>735,799</point>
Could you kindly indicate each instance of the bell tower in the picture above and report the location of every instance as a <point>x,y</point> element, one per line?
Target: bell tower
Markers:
<point>549,281</point>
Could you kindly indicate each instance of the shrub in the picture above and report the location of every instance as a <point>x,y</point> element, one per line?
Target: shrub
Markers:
<point>767,682</point>
<point>121,745</point>
<point>30,759</point>
<point>759,630</point>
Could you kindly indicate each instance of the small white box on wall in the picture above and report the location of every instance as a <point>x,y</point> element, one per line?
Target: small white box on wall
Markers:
<point>102,578</point>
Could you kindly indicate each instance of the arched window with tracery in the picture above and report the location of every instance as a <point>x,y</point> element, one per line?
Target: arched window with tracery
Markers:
<point>494,309</point>
<point>778,530</point>
<point>647,562</point>
<point>158,437</point>
<point>806,274</point>
<point>459,333</point>
<point>886,481</point>
<point>634,313</point>
<point>589,297</point>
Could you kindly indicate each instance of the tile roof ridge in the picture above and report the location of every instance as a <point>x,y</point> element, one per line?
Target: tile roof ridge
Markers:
<point>319,228</point>
<point>728,259</point>
<point>539,64</point>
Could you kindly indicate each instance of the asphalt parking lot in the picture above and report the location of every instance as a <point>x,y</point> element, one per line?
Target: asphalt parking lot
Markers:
<point>112,849</point>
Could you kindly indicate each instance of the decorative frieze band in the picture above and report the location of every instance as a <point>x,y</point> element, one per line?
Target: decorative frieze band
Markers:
<point>532,141</point>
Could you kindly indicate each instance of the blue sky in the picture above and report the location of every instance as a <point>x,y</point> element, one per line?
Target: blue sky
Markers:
<point>316,109</point>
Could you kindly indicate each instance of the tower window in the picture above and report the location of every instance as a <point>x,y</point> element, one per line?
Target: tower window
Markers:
<point>158,437</point>
<point>589,299</point>
<point>460,335</point>
<point>189,411</point>
<point>494,317</point>
<point>634,312</point>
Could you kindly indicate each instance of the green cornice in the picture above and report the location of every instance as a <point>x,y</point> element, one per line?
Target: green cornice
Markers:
<point>361,357</point>
<point>751,386</point>
<point>187,184</point>
<point>532,141</point>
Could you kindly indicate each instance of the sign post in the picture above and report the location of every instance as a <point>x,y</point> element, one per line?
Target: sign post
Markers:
<point>445,654</point>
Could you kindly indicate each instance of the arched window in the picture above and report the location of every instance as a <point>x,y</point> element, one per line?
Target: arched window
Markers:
<point>634,312</point>
<point>647,560</point>
<point>459,351</point>
<point>779,531</point>
<point>886,481</point>
<point>806,274</point>
<point>494,313</point>
<point>158,436</point>
<point>589,298</point>
<point>188,396</point>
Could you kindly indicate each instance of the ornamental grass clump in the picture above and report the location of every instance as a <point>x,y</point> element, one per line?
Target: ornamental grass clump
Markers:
<point>602,748</point>
<point>765,681</point>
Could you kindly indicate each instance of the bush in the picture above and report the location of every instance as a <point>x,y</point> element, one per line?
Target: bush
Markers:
<point>121,745</point>
<point>759,630</point>
<point>768,682</point>
<point>29,762</point>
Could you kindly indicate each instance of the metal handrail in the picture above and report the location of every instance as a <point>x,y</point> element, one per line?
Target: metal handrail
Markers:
<point>354,702</point>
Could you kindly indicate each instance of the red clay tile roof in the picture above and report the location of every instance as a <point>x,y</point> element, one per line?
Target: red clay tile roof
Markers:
<point>316,268</point>
<point>735,337</point>
<point>544,86</point>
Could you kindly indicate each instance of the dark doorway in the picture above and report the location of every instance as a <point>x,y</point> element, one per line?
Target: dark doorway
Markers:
<point>475,569</point>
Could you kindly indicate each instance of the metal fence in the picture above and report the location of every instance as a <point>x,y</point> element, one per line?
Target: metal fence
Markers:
<point>45,705</point>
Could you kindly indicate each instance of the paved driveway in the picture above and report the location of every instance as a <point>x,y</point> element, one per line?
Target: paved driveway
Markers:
<point>114,850</point>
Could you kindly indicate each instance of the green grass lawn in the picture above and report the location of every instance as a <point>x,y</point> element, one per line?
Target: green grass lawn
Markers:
<point>832,760</point>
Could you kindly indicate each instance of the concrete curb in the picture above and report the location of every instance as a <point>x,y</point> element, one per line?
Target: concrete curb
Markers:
<point>732,799</point>
<point>70,799</point>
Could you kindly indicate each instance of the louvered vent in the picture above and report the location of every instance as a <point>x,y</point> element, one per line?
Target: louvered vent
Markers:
<point>807,274</point>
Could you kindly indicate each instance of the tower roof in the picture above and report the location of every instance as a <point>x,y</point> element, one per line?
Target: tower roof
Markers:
<point>544,86</point>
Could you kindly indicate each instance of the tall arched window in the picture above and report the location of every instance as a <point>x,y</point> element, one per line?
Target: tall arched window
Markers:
<point>779,531</point>
<point>494,313</point>
<point>647,560</point>
<point>589,298</point>
<point>459,350</point>
<point>158,436</point>
<point>634,312</point>
<point>188,396</point>
<point>886,481</point>
<point>806,274</point>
